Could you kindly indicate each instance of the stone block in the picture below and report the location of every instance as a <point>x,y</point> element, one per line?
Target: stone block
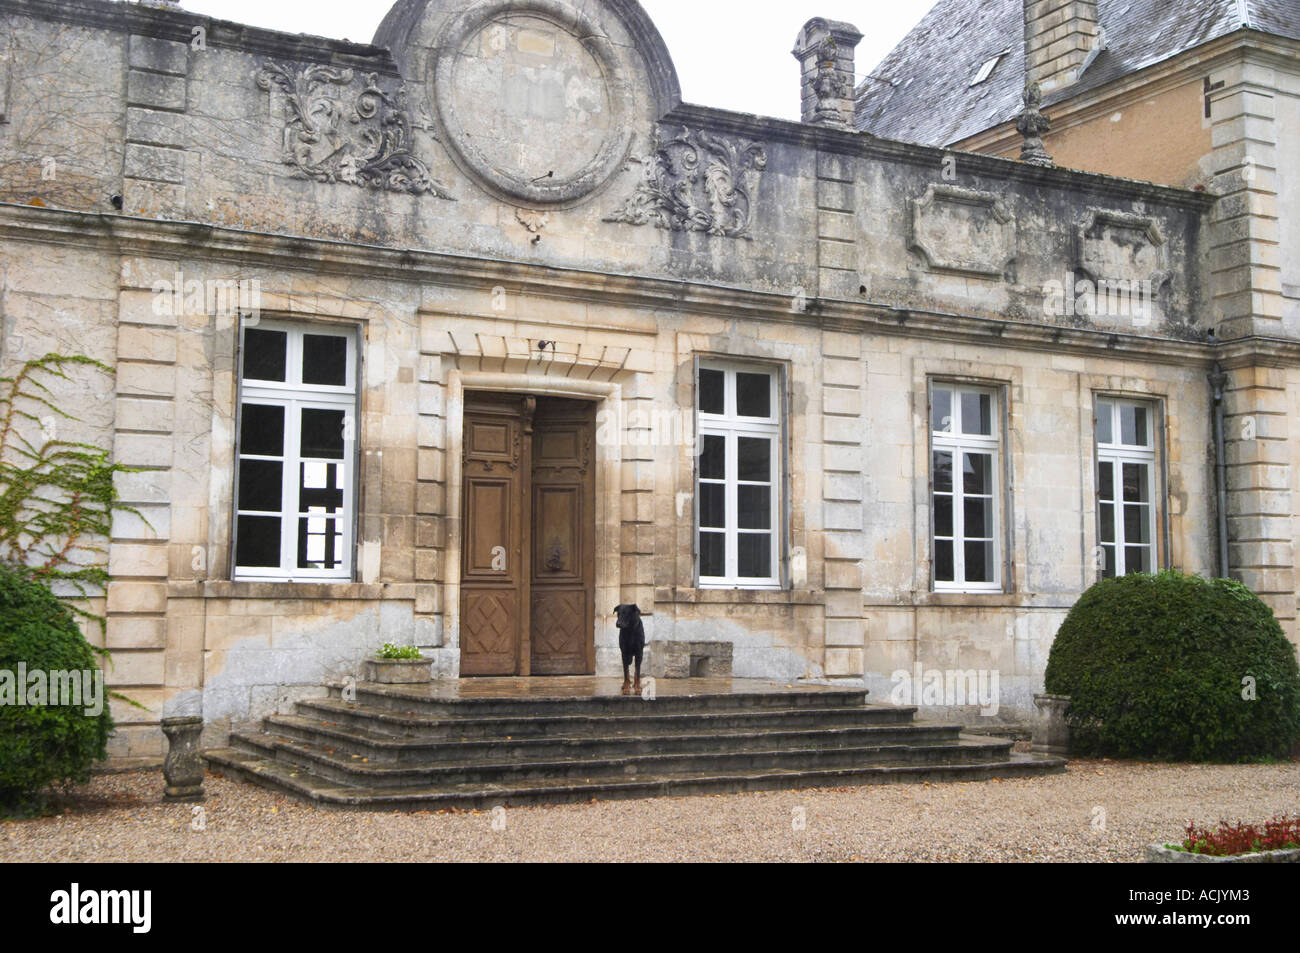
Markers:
<point>690,659</point>
<point>158,55</point>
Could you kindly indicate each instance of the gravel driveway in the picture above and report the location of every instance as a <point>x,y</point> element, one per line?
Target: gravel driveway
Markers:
<point>1098,811</point>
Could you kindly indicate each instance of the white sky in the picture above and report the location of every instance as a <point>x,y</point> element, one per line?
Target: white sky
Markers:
<point>732,54</point>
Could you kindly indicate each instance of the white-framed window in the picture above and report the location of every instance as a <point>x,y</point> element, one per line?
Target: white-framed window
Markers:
<point>738,476</point>
<point>295,480</point>
<point>965,487</point>
<point>1127,514</point>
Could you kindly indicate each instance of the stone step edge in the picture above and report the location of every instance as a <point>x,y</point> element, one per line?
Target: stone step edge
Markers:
<point>279,776</point>
<point>368,773</point>
<point>425,720</point>
<point>853,697</point>
<point>382,742</point>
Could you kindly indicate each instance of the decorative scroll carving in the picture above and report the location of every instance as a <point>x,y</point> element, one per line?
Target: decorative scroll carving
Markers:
<point>697,182</point>
<point>963,231</point>
<point>340,131</point>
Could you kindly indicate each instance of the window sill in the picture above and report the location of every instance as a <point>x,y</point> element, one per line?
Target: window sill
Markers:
<point>966,597</point>
<point>703,596</point>
<point>226,589</point>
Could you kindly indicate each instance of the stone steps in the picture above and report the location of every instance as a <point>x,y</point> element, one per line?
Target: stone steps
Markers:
<point>379,747</point>
<point>354,769</point>
<point>426,700</point>
<point>419,748</point>
<point>638,720</point>
<point>284,777</point>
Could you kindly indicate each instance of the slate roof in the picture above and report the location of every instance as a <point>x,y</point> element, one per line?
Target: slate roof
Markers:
<point>921,92</point>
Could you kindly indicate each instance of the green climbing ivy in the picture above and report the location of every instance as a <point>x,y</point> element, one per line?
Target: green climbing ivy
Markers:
<point>57,497</point>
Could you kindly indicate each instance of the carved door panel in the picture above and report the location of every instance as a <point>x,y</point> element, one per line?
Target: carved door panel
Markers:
<point>563,561</point>
<point>494,561</point>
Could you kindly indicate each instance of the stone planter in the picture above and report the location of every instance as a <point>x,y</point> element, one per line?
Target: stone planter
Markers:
<point>399,671</point>
<point>1160,854</point>
<point>1051,731</point>
<point>183,767</point>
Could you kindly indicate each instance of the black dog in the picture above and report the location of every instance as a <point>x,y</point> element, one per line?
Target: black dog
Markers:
<point>631,639</point>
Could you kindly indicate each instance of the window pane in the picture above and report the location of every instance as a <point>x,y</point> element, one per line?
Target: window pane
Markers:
<point>1106,480</point>
<point>755,555</point>
<point>977,414</point>
<point>259,542</point>
<point>979,518</point>
<point>1137,524</point>
<point>324,360</point>
<point>1133,426</point>
<point>261,485</point>
<point>713,510</point>
<point>1137,559</point>
<point>943,567</point>
<point>754,395</point>
<point>322,433</point>
<point>320,487</point>
<point>320,543</point>
<point>943,516</point>
<point>261,432</point>
<point>1107,527</point>
<point>266,354</point>
<point>941,410</point>
<point>1105,421</point>
<point>1136,489</point>
<point>942,472</point>
<point>979,562</point>
<point>713,554</point>
<point>755,504</point>
<point>977,473</point>
<point>711,397</point>
<point>713,458</point>
<point>1108,571</point>
<point>755,459</point>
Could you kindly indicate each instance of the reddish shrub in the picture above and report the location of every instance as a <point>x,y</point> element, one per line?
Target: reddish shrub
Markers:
<point>1227,840</point>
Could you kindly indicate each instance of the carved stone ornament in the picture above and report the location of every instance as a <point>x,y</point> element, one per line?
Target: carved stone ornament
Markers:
<point>963,232</point>
<point>832,86</point>
<point>537,101</point>
<point>340,130</point>
<point>1122,246</point>
<point>697,182</point>
<point>1032,124</point>
<point>532,219</point>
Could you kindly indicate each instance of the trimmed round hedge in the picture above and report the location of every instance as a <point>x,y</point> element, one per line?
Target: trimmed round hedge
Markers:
<point>1157,667</point>
<point>41,745</point>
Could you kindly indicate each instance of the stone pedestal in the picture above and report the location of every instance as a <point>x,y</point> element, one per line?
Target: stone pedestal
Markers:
<point>690,660</point>
<point>183,767</point>
<point>1051,732</point>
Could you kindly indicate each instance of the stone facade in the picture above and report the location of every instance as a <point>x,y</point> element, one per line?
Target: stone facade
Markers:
<point>512,197</point>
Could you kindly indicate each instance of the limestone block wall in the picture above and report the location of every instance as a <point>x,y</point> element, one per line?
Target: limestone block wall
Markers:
<point>201,126</point>
<point>861,269</point>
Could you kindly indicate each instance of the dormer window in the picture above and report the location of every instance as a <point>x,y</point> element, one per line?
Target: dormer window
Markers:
<point>987,69</point>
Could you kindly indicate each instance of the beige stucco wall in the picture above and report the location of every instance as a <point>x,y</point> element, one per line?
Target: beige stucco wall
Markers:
<point>1155,137</point>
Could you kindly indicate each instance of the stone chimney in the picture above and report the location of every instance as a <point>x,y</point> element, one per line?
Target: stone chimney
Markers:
<point>824,50</point>
<point>1061,38</point>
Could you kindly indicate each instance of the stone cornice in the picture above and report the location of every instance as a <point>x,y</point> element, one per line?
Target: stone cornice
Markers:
<point>179,24</point>
<point>131,236</point>
<point>851,143</point>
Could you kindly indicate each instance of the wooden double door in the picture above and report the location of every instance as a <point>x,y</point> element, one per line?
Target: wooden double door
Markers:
<point>529,525</point>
